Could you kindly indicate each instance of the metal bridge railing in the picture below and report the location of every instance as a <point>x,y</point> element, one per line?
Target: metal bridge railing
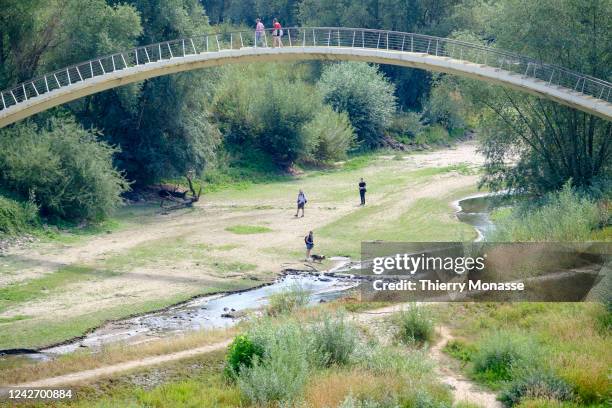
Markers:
<point>394,41</point>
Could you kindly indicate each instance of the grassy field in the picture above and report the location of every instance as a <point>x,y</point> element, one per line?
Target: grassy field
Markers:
<point>561,346</point>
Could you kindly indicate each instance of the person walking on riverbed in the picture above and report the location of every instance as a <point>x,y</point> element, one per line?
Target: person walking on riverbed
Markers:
<point>301,203</point>
<point>362,190</point>
<point>309,241</point>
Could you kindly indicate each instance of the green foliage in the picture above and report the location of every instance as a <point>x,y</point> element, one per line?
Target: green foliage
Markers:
<point>405,126</point>
<point>445,105</point>
<point>414,325</point>
<point>334,340</point>
<point>282,372</point>
<point>460,350</point>
<point>502,355</point>
<point>433,135</point>
<point>329,136</point>
<point>563,216</point>
<point>17,217</point>
<point>532,144</point>
<point>364,94</point>
<point>273,114</point>
<point>287,301</point>
<point>537,385</point>
<point>241,353</point>
<point>63,168</point>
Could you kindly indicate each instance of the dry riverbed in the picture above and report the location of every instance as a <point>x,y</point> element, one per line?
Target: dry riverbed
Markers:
<point>233,239</point>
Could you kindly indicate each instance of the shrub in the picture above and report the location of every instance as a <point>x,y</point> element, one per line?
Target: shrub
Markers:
<point>537,385</point>
<point>241,354</point>
<point>17,217</point>
<point>414,325</point>
<point>364,94</point>
<point>433,135</point>
<point>405,127</point>
<point>287,301</point>
<point>560,216</point>
<point>500,355</point>
<point>282,372</point>
<point>334,340</point>
<point>329,136</point>
<point>69,172</point>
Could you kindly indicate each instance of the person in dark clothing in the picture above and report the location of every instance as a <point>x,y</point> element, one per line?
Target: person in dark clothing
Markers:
<point>362,190</point>
<point>309,241</point>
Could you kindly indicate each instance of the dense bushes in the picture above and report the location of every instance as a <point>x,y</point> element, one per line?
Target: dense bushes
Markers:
<point>364,94</point>
<point>334,341</point>
<point>241,353</point>
<point>500,355</point>
<point>537,385</point>
<point>275,359</point>
<point>282,372</point>
<point>272,109</point>
<point>17,217</point>
<point>329,136</point>
<point>66,170</point>
<point>562,216</point>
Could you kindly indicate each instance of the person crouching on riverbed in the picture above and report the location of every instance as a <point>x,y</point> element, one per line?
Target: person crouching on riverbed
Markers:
<point>301,203</point>
<point>309,241</point>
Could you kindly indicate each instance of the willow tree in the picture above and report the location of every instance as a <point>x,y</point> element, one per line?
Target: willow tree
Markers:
<point>533,144</point>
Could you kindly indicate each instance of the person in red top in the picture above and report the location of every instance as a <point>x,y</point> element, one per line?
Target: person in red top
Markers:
<point>277,34</point>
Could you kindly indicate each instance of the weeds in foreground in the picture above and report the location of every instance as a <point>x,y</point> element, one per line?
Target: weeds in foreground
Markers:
<point>287,301</point>
<point>414,325</point>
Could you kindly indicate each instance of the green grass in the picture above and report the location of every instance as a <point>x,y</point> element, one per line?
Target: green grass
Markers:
<point>425,220</point>
<point>248,229</point>
<point>13,319</point>
<point>560,216</point>
<point>16,293</point>
<point>516,341</point>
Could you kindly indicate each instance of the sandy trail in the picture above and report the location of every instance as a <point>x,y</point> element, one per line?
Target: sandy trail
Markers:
<point>463,389</point>
<point>109,371</point>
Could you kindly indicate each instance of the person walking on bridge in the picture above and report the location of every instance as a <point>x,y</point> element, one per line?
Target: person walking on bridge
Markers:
<point>259,31</point>
<point>277,34</point>
<point>362,190</point>
<point>301,202</point>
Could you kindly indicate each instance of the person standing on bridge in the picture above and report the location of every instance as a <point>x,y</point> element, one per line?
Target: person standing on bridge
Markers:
<point>362,190</point>
<point>277,34</point>
<point>301,202</point>
<point>259,31</point>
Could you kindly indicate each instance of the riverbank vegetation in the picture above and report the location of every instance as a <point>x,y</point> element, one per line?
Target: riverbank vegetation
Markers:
<point>535,354</point>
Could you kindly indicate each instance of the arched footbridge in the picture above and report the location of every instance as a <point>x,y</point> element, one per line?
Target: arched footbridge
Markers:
<point>483,63</point>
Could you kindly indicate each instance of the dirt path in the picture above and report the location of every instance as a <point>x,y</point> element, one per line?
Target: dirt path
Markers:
<point>108,371</point>
<point>463,389</point>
